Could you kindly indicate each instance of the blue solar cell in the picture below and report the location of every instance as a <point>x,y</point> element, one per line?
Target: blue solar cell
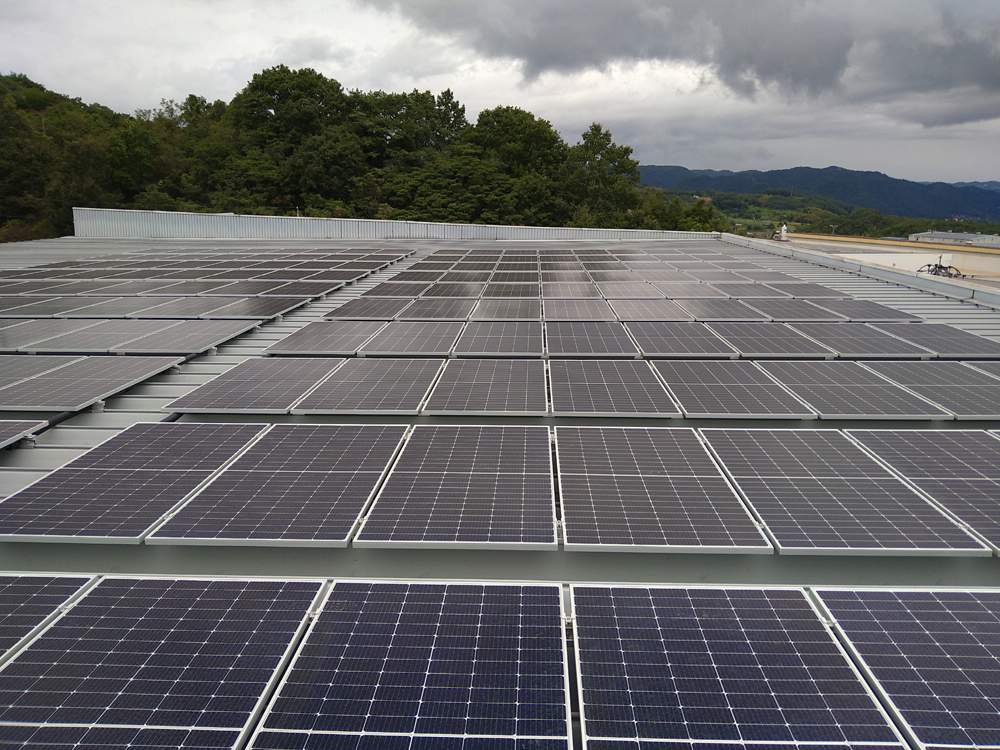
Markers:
<point>158,653</point>
<point>25,602</point>
<point>441,662</point>
<point>934,654</point>
<point>737,665</point>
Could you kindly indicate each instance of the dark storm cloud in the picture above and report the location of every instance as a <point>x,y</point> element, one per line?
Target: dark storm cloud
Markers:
<point>848,50</point>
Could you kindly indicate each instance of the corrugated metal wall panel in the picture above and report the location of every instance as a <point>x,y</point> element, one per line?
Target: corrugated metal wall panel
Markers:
<point>102,222</point>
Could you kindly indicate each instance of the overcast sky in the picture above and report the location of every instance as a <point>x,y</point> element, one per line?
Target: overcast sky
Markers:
<point>910,88</point>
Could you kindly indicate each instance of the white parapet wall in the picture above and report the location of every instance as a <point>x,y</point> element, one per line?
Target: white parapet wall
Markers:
<point>118,223</point>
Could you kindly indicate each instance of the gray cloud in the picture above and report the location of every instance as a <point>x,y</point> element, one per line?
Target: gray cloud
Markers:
<point>847,50</point>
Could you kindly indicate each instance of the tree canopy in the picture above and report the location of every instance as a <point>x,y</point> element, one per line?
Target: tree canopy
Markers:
<point>295,141</point>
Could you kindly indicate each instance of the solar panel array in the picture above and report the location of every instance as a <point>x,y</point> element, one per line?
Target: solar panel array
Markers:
<point>475,665</point>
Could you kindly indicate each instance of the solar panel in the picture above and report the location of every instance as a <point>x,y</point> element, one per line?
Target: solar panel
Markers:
<point>184,307</point>
<point>81,383</point>
<point>413,337</point>
<point>342,337</point>
<point>101,337</point>
<point>577,309</point>
<point>397,289</point>
<point>507,309</point>
<point>848,390</point>
<point>719,309</point>
<point>118,490</point>
<point>727,388</point>
<point>309,288</point>
<point>682,339</point>
<point>794,310</point>
<point>959,469</point>
<point>163,653</point>
<point>268,385</point>
<point>429,308</point>
<point>689,290</point>
<point>766,276</point>
<point>299,485</point>
<point>570,291</point>
<point>419,665</point>
<point>650,490</point>
<point>518,277</point>
<point>246,289</point>
<point>707,273</point>
<point>608,388</point>
<point>464,277</point>
<point>186,337</point>
<point>467,486</point>
<point>769,340</point>
<point>370,308</point>
<point>613,276</point>
<point>116,307</point>
<point>962,390</point>
<point>490,386</point>
<point>418,276</point>
<point>45,307</point>
<point>634,290</point>
<point>818,492</point>
<point>933,656</point>
<point>511,290</point>
<point>455,290</point>
<point>588,339</point>
<point>500,338</point>
<point>716,668</point>
<point>945,340</point>
<point>372,386</point>
<point>16,367</point>
<point>647,309</point>
<point>858,340</point>
<point>256,309</point>
<point>865,311</point>
<point>21,335</point>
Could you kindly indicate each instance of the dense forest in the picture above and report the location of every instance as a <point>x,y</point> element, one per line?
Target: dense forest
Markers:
<point>296,142</point>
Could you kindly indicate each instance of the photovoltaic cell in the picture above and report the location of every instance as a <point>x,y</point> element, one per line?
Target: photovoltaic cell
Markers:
<point>298,485</point>
<point>508,309</point>
<point>268,385</point>
<point>372,386</point>
<point>261,307</point>
<point>577,309</point>
<point>80,383</point>
<point>794,310</point>
<point>414,337</point>
<point>467,486</point>
<point>490,386</point>
<point>588,338</point>
<point>420,666</point>
<point>933,654</point>
<point>967,392</point>
<point>122,487</point>
<point>681,339</point>
<point>806,290</point>
<point>24,334</point>
<point>817,491</point>
<point>945,340</point>
<point>370,308</point>
<point>342,337</point>
<point>640,489</point>
<point>728,388</point>
<point>858,340</point>
<point>175,654</point>
<point>769,340</point>
<point>12,430</point>
<point>847,390</point>
<point>16,367</point>
<point>713,666</point>
<point>430,308</point>
<point>608,388</point>
<point>747,290</point>
<point>500,338</point>
<point>959,469</point>
<point>865,311</point>
<point>647,309</point>
<point>718,309</point>
<point>187,337</point>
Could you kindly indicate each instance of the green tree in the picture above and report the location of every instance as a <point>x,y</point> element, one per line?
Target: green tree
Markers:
<point>602,178</point>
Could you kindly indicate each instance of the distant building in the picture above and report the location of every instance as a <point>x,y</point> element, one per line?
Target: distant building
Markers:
<point>957,238</point>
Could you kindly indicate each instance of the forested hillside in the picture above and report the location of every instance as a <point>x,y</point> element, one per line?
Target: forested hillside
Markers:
<point>294,141</point>
<point>873,190</point>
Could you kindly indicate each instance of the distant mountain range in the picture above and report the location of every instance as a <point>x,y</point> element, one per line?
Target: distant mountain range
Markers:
<point>936,200</point>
